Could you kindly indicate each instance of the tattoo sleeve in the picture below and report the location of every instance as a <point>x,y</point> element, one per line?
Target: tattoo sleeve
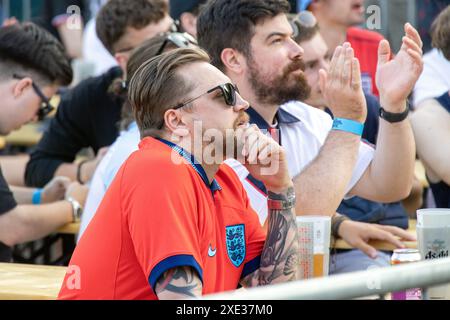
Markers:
<point>280,256</point>
<point>179,283</point>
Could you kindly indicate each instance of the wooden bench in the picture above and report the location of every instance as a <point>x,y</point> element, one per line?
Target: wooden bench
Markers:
<point>30,282</point>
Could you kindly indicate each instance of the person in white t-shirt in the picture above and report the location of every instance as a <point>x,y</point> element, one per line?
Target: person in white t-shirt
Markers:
<point>94,52</point>
<point>435,79</point>
<point>251,42</point>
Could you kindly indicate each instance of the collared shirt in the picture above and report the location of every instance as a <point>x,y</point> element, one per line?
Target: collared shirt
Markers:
<point>303,131</point>
<point>214,185</point>
<point>159,214</point>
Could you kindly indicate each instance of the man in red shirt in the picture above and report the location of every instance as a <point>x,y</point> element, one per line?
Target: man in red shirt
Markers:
<point>176,222</point>
<point>338,21</point>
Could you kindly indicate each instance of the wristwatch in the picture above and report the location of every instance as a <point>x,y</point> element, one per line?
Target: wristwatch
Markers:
<point>394,117</point>
<point>282,201</point>
<point>77,210</point>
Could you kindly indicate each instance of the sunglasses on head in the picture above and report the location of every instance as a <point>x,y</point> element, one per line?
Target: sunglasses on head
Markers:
<point>179,40</point>
<point>228,94</point>
<point>304,19</point>
<point>174,28</point>
<point>46,106</point>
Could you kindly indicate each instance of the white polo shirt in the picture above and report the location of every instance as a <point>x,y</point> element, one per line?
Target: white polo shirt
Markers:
<point>303,131</point>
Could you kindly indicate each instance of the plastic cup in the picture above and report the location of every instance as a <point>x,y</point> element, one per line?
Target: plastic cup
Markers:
<point>314,245</point>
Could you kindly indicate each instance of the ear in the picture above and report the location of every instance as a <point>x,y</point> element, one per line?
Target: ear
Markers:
<point>233,60</point>
<point>189,23</point>
<point>21,86</point>
<point>122,60</point>
<point>174,124</point>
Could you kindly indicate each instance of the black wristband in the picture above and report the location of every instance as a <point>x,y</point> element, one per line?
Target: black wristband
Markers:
<point>336,222</point>
<point>79,171</point>
<point>394,117</point>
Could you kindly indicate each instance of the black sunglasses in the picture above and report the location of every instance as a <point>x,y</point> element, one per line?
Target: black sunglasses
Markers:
<point>179,40</point>
<point>46,106</point>
<point>228,93</point>
<point>228,90</point>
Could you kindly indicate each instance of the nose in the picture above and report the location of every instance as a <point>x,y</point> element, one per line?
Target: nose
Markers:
<point>296,51</point>
<point>241,104</point>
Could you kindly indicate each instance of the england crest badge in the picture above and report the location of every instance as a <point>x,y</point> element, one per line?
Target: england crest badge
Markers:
<point>236,244</point>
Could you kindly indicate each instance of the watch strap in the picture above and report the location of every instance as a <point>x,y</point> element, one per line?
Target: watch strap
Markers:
<point>394,117</point>
<point>282,201</point>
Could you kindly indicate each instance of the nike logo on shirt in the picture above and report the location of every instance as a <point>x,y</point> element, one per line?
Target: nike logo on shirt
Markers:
<point>211,252</point>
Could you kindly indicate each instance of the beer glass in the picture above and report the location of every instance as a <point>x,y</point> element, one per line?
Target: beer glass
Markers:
<point>314,245</point>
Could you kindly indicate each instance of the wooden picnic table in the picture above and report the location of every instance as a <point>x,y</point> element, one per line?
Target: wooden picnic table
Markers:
<point>71,228</point>
<point>381,245</point>
<point>27,136</point>
<point>30,282</point>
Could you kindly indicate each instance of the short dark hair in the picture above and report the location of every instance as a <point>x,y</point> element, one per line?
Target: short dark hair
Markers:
<point>157,86</point>
<point>440,32</point>
<point>28,50</point>
<point>118,15</point>
<point>230,24</point>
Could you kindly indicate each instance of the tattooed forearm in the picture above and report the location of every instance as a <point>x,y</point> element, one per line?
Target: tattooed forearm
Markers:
<point>179,283</point>
<point>279,260</point>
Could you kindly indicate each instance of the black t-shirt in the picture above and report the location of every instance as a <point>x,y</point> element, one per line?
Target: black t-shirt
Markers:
<point>87,117</point>
<point>7,203</point>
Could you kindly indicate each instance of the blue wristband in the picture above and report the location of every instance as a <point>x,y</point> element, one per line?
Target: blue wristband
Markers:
<point>37,196</point>
<point>348,126</point>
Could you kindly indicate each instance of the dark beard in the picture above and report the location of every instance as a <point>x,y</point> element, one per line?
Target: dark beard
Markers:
<point>279,91</point>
